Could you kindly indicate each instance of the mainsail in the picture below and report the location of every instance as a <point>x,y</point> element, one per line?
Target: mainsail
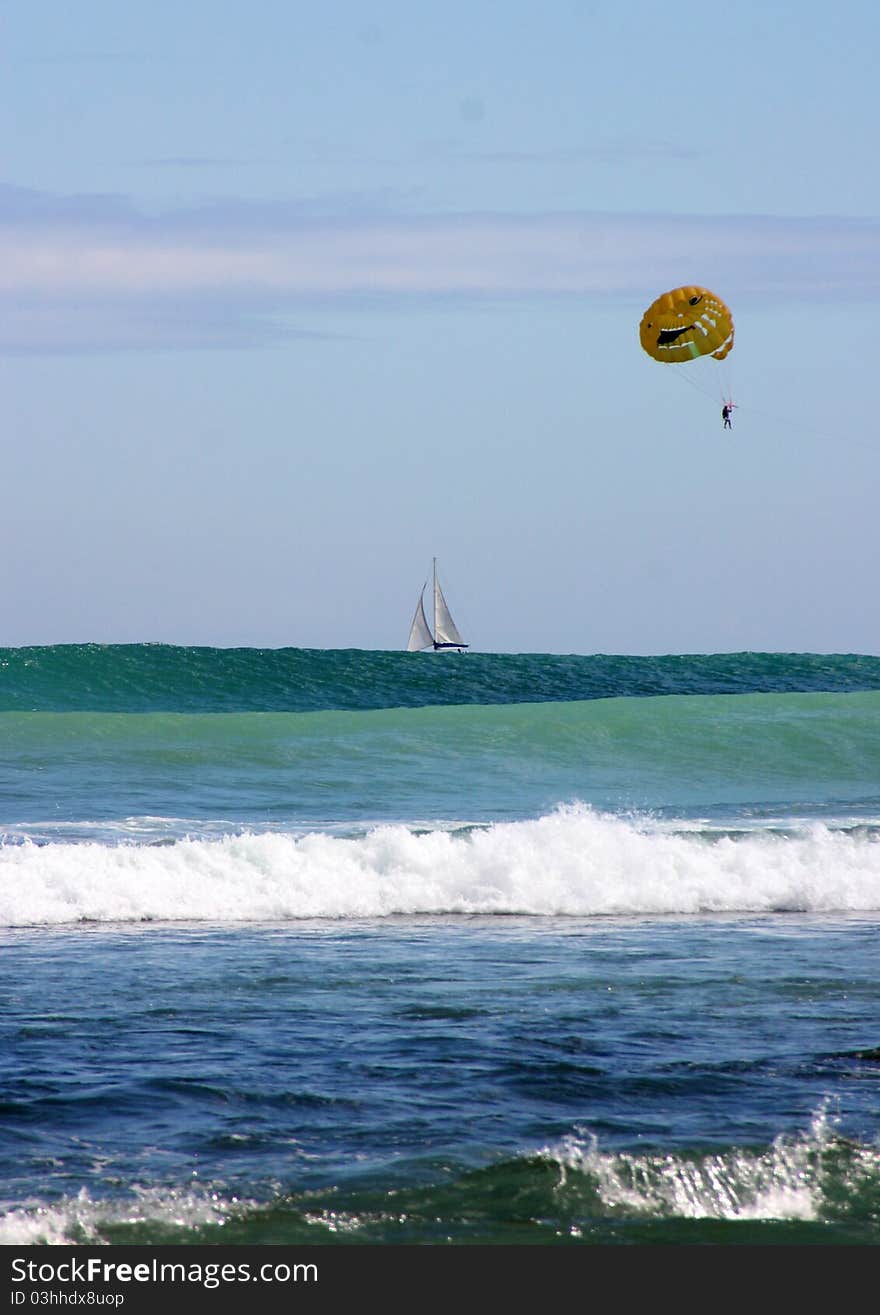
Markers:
<point>445,630</point>
<point>445,633</point>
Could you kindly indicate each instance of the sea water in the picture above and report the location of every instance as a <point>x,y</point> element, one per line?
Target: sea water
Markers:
<point>304,947</point>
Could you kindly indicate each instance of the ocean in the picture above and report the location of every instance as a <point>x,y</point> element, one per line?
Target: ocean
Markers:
<point>353,948</point>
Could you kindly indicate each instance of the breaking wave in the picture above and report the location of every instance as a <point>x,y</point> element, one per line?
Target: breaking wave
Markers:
<point>574,861</point>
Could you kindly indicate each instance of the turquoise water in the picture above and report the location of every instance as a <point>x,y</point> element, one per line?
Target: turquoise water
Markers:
<point>364,947</point>
<point>165,678</point>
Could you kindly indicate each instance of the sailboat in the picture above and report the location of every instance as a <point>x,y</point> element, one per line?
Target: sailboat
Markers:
<point>445,633</point>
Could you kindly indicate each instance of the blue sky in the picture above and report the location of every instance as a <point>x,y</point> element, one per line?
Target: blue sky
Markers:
<point>293,299</point>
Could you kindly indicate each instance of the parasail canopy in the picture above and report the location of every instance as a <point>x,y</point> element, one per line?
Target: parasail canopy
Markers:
<point>685,324</point>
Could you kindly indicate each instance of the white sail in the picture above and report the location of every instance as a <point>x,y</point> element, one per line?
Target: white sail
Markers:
<point>419,634</point>
<point>445,629</point>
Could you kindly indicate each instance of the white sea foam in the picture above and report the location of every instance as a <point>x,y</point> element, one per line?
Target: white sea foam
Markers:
<point>573,861</point>
<point>82,1219</point>
<point>793,1179</point>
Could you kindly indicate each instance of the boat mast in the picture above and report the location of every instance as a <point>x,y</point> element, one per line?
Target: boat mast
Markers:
<point>435,602</point>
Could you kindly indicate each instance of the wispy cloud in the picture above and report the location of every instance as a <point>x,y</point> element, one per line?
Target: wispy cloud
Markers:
<point>90,57</point>
<point>623,150</point>
<point>93,272</point>
<point>191,162</point>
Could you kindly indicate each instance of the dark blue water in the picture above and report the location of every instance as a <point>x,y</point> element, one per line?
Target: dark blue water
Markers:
<point>662,1079</point>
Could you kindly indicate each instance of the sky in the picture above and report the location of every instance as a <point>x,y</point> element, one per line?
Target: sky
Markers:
<point>295,298</point>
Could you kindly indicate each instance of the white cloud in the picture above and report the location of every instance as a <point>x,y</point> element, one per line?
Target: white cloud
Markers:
<point>86,272</point>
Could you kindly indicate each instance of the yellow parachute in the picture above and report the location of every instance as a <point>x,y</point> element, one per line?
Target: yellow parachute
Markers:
<point>685,324</point>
